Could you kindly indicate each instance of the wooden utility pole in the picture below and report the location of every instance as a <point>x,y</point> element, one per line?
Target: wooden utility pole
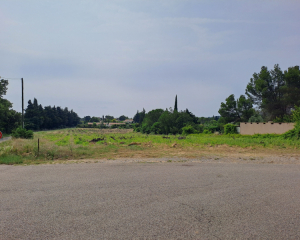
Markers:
<point>22,103</point>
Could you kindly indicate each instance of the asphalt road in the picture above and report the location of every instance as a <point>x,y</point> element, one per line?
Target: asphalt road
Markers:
<point>5,139</point>
<point>150,201</point>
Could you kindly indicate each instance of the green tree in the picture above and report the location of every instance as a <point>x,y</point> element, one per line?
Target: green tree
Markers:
<point>9,118</point>
<point>236,110</point>
<point>142,115</point>
<point>244,108</point>
<point>266,89</point>
<point>175,106</point>
<point>94,119</point>
<point>122,118</point>
<point>3,87</point>
<point>228,110</point>
<point>292,88</point>
<point>87,119</point>
<point>136,117</point>
<point>109,118</point>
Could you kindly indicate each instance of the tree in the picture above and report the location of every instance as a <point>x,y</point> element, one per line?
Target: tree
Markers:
<point>228,110</point>
<point>175,106</point>
<point>292,88</point>
<point>142,115</point>
<point>244,108</point>
<point>152,116</point>
<point>9,118</point>
<point>94,119</point>
<point>122,118</point>
<point>136,117</point>
<point>3,87</point>
<point>87,119</point>
<point>266,89</point>
<point>236,110</point>
<point>37,117</point>
<point>109,118</point>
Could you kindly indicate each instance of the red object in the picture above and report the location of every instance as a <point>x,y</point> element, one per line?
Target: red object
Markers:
<point>0,135</point>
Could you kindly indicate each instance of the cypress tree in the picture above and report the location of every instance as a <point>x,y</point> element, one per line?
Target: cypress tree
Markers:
<point>175,107</point>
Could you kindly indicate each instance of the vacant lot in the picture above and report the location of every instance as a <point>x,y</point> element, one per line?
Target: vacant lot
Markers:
<point>82,144</point>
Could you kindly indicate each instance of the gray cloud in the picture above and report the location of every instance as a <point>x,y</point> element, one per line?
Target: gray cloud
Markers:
<point>114,57</point>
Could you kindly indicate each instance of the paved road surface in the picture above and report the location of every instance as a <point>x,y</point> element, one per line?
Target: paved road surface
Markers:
<point>4,139</point>
<point>150,201</point>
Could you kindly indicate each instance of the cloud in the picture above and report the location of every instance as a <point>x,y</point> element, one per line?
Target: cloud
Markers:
<point>114,57</point>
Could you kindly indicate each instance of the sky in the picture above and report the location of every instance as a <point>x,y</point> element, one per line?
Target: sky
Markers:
<point>119,56</point>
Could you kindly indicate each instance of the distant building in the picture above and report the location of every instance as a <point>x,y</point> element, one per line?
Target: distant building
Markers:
<point>128,121</point>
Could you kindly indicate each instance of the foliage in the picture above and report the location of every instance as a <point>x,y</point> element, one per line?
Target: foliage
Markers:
<point>266,89</point>
<point>122,118</point>
<point>87,119</point>
<point>188,130</point>
<point>159,121</point>
<point>9,118</point>
<point>236,110</point>
<point>229,128</point>
<point>94,119</point>
<point>3,87</point>
<point>36,117</point>
<point>136,117</point>
<point>108,118</point>
<point>256,118</point>
<point>294,133</point>
<point>285,118</point>
<point>292,88</point>
<point>22,133</point>
<point>155,128</point>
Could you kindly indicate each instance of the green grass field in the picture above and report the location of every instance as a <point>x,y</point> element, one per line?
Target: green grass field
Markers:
<point>61,145</point>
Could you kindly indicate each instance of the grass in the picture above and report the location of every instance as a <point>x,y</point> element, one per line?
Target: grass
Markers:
<point>11,160</point>
<point>61,145</point>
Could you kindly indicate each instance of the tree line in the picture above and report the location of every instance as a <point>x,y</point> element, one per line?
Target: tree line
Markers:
<point>37,118</point>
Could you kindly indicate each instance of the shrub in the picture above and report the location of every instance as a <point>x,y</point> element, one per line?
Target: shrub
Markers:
<point>206,131</point>
<point>294,133</point>
<point>188,130</point>
<point>22,133</point>
<point>229,128</point>
<point>155,128</point>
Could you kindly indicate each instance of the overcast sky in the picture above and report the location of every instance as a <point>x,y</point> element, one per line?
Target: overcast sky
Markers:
<point>116,57</point>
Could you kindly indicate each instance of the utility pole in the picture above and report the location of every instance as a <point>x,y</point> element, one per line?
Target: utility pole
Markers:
<point>22,102</point>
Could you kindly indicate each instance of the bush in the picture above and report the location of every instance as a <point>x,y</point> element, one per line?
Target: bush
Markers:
<point>155,128</point>
<point>229,128</point>
<point>22,133</point>
<point>206,131</point>
<point>188,130</point>
<point>294,133</point>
